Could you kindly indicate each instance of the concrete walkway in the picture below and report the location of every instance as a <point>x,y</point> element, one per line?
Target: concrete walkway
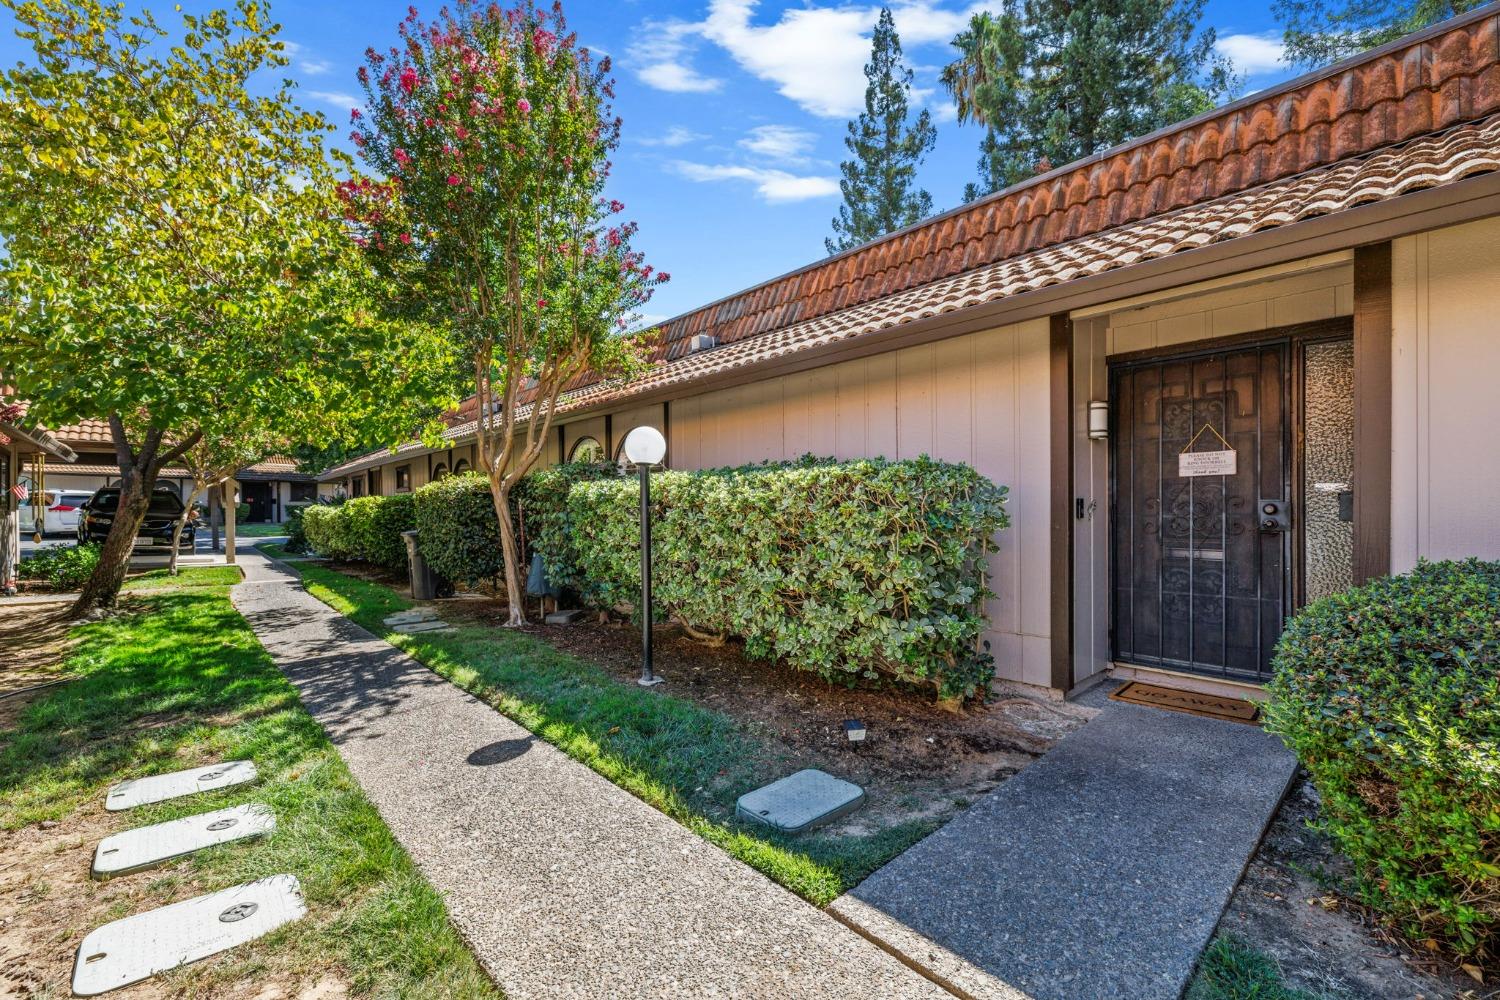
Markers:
<point>564,884</point>
<point>1100,871</point>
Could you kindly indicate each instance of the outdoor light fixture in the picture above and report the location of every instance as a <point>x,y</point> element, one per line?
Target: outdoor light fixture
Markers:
<point>855,730</point>
<point>1098,420</point>
<point>645,447</point>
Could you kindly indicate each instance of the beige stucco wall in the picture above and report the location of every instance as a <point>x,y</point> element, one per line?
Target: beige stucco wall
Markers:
<point>1445,463</point>
<point>980,399</point>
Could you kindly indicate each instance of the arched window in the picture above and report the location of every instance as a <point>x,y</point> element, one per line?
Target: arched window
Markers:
<point>586,449</point>
<point>461,466</point>
<point>439,471</point>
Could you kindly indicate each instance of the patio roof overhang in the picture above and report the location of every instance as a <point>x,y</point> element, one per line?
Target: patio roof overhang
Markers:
<point>41,439</point>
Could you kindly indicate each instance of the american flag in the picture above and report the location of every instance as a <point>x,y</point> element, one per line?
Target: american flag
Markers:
<point>20,492</point>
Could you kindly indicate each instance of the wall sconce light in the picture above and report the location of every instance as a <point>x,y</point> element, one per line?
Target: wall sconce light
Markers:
<point>1098,420</point>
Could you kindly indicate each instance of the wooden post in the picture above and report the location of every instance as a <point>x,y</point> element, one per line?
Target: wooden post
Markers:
<point>231,490</point>
<point>1372,411</point>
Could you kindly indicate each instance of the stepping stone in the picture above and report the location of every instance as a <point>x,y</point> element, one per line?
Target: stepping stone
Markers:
<point>136,948</point>
<point>566,617</point>
<point>424,626</point>
<point>150,846</point>
<point>802,801</point>
<point>161,787</point>
<point>410,617</point>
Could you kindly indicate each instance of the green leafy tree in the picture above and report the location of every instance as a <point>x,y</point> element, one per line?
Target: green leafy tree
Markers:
<point>173,258</point>
<point>1319,32</point>
<point>879,183</point>
<point>1057,80</point>
<point>489,133</point>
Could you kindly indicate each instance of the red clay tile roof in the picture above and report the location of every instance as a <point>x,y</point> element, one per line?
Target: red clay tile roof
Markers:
<point>1414,86</point>
<point>86,432</point>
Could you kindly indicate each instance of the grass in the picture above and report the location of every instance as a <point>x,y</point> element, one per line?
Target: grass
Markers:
<point>688,761</point>
<point>259,530</point>
<point>1231,969</point>
<point>177,678</point>
<point>187,576</point>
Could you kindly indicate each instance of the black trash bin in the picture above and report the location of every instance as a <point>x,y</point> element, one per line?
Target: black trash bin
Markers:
<point>424,585</point>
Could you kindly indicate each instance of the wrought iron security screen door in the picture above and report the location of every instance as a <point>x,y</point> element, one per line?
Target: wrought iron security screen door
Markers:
<point>1201,547</point>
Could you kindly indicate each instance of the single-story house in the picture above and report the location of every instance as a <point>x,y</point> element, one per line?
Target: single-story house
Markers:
<point>1223,369</point>
<point>269,487</point>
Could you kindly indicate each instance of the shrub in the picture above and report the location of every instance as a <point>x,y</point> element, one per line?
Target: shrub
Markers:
<point>858,570</point>
<point>296,531</point>
<point>366,529</point>
<point>1389,694</point>
<point>63,567</point>
<point>457,531</point>
<point>375,526</point>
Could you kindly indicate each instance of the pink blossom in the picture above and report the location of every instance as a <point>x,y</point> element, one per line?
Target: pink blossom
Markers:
<point>405,238</point>
<point>408,80</point>
<point>541,303</point>
<point>616,205</point>
<point>523,105</point>
<point>354,115</point>
<point>461,132</point>
<point>402,156</point>
<point>453,180</point>
<point>663,276</point>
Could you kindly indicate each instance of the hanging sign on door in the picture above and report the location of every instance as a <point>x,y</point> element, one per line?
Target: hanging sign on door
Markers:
<point>1206,463</point>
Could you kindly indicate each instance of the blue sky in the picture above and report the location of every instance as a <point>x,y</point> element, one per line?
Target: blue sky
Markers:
<point>734,112</point>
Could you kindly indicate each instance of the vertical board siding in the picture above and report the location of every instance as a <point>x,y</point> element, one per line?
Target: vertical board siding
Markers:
<point>981,399</point>
<point>1445,352</point>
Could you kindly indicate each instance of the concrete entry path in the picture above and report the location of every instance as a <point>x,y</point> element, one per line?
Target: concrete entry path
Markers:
<point>564,884</point>
<point>1100,871</point>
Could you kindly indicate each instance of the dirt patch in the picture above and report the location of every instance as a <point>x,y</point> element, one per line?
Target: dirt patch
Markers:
<point>1288,906</point>
<point>918,760</point>
<point>35,640</point>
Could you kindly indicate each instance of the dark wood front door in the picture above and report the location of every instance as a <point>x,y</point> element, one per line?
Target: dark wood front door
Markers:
<point>1201,563</point>
<point>258,496</point>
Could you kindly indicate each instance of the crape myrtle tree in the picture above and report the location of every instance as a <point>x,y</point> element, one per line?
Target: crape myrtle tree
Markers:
<point>879,180</point>
<point>1323,31</point>
<point>172,256</point>
<point>488,133</point>
<point>1057,80</point>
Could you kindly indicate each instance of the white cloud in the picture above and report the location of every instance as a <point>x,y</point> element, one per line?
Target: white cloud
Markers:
<point>308,64</point>
<point>337,98</point>
<point>1253,54</point>
<point>783,143</point>
<point>771,185</point>
<point>675,136</point>
<point>816,56</point>
<point>661,52</point>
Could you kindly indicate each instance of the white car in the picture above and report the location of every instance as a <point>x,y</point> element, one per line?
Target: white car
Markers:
<point>60,516</point>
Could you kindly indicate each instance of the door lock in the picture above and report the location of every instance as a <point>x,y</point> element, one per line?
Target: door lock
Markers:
<point>1275,515</point>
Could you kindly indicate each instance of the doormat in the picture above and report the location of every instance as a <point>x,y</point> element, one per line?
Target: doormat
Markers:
<point>1192,702</point>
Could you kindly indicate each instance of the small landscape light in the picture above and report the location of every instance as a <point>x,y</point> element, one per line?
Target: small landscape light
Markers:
<point>855,730</point>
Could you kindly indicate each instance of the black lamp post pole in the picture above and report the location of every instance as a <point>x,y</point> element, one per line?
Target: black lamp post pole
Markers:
<point>648,678</point>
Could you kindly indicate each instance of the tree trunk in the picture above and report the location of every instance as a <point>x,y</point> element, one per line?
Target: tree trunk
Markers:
<point>509,549</point>
<point>103,585</point>
<point>177,529</point>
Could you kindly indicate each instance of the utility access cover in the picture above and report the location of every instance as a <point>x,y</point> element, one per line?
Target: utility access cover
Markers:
<point>136,948</point>
<point>434,625</point>
<point>144,791</point>
<point>409,617</point>
<point>802,801</point>
<point>149,846</point>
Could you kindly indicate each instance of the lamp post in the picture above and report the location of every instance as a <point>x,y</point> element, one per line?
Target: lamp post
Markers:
<point>645,447</point>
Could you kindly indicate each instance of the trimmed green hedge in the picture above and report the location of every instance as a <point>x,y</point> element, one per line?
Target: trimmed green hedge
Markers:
<point>367,529</point>
<point>865,570</point>
<point>1389,694</point>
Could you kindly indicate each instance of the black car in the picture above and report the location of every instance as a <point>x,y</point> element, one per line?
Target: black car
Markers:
<point>164,513</point>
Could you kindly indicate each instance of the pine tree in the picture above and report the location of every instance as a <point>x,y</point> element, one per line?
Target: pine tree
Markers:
<point>1323,31</point>
<point>1057,80</point>
<point>880,194</point>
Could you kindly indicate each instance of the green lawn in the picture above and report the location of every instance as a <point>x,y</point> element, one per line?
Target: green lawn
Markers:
<point>687,761</point>
<point>1230,969</point>
<point>259,530</point>
<point>177,679</point>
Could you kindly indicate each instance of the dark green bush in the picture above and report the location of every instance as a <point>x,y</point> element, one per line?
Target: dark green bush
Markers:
<point>1389,694</point>
<point>456,529</point>
<point>366,529</point>
<point>296,532</point>
<point>867,570</point>
<point>63,567</point>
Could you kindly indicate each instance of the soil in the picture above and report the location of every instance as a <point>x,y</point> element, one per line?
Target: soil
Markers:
<point>919,760</point>
<point>1289,906</point>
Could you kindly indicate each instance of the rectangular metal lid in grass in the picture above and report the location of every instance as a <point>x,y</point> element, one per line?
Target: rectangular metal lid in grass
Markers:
<point>161,787</point>
<point>802,801</point>
<point>150,846</point>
